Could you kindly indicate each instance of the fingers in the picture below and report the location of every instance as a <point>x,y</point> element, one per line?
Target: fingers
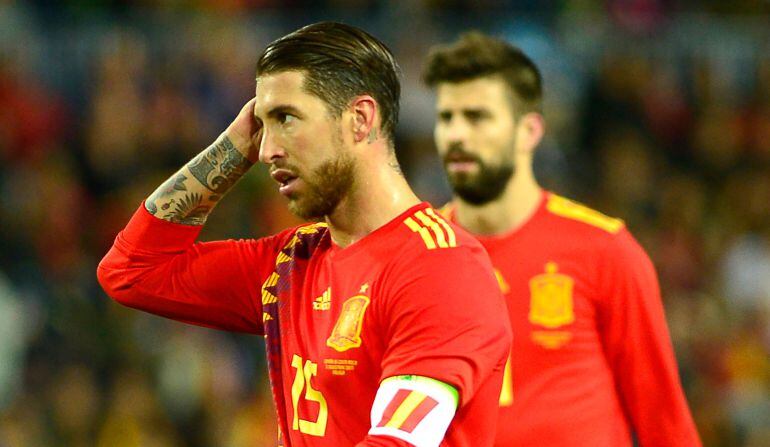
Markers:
<point>256,139</point>
<point>249,106</point>
<point>247,113</point>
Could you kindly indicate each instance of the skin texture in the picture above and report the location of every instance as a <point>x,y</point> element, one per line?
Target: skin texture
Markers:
<point>188,196</point>
<point>495,189</point>
<point>474,126</point>
<point>345,170</point>
<point>301,137</point>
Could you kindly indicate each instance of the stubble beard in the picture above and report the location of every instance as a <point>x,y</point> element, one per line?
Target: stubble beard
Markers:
<point>326,186</point>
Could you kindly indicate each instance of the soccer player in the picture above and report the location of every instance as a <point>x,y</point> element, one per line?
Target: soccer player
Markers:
<point>384,324</point>
<point>592,362</point>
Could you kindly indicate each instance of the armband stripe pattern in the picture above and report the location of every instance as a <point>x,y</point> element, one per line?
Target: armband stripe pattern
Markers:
<point>406,410</point>
<point>415,409</point>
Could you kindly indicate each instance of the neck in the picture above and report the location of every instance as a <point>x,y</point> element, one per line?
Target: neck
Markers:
<point>379,194</point>
<point>516,205</point>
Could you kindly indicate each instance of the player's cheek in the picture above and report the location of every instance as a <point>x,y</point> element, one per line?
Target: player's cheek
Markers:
<point>438,137</point>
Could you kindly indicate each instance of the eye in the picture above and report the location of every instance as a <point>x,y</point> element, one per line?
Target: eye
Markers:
<point>474,116</point>
<point>285,118</point>
<point>445,117</point>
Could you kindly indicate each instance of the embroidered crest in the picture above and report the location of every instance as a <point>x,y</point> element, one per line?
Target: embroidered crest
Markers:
<point>347,330</point>
<point>551,303</point>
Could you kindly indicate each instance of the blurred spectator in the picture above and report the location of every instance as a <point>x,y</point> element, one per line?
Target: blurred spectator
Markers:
<point>13,334</point>
<point>662,107</point>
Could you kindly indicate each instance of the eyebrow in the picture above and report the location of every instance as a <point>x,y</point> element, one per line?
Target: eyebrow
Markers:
<point>283,108</point>
<point>477,110</point>
<point>468,110</point>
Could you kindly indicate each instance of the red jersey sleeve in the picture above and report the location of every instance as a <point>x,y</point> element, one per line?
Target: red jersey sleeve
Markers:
<point>446,320</point>
<point>155,266</point>
<point>383,441</point>
<point>638,347</point>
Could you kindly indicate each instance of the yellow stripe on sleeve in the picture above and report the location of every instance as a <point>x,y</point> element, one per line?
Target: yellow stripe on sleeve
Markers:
<point>452,238</point>
<point>572,210</point>
<point>424,233</point>
<point>437,231</point>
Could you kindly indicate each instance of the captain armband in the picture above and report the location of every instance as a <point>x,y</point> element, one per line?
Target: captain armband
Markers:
<point>414,409</point>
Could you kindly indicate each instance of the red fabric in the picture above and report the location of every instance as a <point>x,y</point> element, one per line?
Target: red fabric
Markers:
<point>154,266</point>
<point>609,372</point>
<point>383,441</point>
<point>434,313</point>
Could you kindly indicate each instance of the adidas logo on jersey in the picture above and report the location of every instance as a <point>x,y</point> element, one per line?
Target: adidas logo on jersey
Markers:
<point>323,302</point>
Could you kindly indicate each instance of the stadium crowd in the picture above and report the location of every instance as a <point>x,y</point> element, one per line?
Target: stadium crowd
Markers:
<point>661,115</point>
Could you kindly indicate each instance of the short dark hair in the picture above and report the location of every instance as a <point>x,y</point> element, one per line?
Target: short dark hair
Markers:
<point>340,62</point>
<point>475,55</point>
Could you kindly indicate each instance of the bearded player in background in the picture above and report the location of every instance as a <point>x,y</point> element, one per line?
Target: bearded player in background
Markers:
<point>592,363</point>
<point>384,326</point>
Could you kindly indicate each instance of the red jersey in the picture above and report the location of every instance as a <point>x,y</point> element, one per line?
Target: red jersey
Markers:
<point>592,361</point>
<point>414,297</point>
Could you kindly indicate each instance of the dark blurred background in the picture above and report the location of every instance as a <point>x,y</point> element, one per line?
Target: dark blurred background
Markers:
<point>658,112</point>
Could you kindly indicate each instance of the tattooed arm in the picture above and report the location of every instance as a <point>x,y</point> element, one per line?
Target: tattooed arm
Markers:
<point>155,264</point>
<point>188,196</point>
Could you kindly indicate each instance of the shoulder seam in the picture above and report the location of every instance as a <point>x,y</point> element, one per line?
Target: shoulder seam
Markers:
<point>569,209</point>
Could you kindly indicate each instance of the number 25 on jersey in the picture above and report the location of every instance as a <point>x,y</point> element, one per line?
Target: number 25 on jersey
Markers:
<point>305,371</point>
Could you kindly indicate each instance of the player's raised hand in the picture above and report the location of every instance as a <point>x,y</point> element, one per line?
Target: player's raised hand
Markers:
<point>245,132</point>
<point>188,196</point>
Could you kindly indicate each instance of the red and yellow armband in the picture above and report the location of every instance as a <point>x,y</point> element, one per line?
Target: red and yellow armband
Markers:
<point>415,409</point>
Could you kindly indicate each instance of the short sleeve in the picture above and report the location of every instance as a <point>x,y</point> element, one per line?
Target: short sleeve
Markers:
<point>445,318</point>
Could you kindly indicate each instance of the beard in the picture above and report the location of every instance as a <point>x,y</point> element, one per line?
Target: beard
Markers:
<point>482,187</point>
<point>326,185</point>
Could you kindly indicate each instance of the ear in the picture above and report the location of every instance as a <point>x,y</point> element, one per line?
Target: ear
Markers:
<point>364,109</point>
<point>530,130</point>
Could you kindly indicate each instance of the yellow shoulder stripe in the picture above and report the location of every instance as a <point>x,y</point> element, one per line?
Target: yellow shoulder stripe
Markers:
<point>575,211</point>
<point>452,238</point>
<point>433,229</point>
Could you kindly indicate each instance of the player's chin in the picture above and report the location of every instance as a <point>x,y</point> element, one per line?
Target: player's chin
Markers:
<point>462,178</point>
<point>305,207</point>
<point>296,207</point>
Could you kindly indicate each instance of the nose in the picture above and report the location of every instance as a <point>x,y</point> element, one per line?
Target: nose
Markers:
<point>269,150</point>
<point>456,131</point>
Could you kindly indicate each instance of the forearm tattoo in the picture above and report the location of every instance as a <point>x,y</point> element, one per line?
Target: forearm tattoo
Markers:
<point>219,167</point>
<point>183,200</point>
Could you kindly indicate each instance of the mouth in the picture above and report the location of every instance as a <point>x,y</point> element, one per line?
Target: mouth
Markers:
<point>286,179</point>
<point>460,163</point>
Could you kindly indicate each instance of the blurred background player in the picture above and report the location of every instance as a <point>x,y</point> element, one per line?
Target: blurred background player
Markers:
<point>592,363</point>
<point>676,92</point>
<point>384,327</point>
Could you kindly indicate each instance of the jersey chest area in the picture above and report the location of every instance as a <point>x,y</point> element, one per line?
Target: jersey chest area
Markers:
<point>330,350</point>
<point>332,315</point>
<point>551,295</point>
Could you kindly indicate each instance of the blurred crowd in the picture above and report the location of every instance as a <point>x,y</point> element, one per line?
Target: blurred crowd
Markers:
<point>658,112</point>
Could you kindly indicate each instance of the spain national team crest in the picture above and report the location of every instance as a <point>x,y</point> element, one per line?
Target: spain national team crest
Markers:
<point>551,303</point>
<point>347,330</point>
